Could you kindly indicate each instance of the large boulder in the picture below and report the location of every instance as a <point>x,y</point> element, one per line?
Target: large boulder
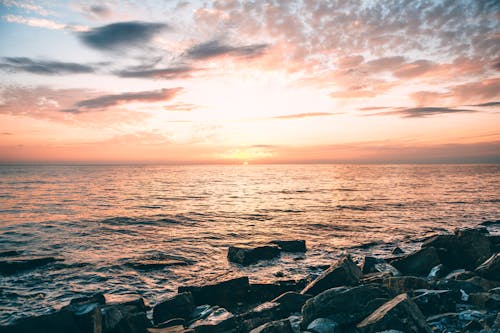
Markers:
<point>278,326</point>
<point>226,293</point>
<point>467,248</point>
<point>261,314</point>
<point>490,269</point>
<point>400,313</point>
<point>15,264</point>
<point>290,245</point>
<point>218,320</point>
<point>245,255</point>
<point>418,263</point>
<point>343,273</point>
<point>291,301</point>
<point>124,314</point>
<point>179,306</point>
<point>402,284</point>
<point>263,292</point>
<point>432,302</point>
<point>345,305</point>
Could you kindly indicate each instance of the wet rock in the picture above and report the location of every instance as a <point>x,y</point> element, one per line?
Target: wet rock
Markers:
<point>485,300</point>
<point>16,264</point>
<point>343,273</point>
<point>418,263</point>
<point>322,325</point>
<point>457,285</point>
<point>459,274</point>
<point>179,306</point>
<point>345,305</point>
<point>291,301</point>
<point>250,255</point>
<point>485,284</point>
<point>490,269</point>
<point>263,292</point>
<point>290,245</point>
<point>369,264</point>
<point>278,326</point>
<point>402,284</point>
<point>397,250</point>
<point>400,313</point>
<point>96,298</point>
<point>124,313</point>
<point>467,248</point>
<point>172,323</point>
<point>225,293</point>
<point>148,265</point>
<point>218,320</point>
<point>438,272</point>
<point>262,314</point>
<point>432,302</point>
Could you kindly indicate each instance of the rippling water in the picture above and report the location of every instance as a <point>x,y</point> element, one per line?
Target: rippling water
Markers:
<point>98,218</point>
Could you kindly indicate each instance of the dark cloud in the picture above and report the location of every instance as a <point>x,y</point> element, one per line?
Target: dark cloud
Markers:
<point>421,112</point>
<point>158,73</point>
<point>121,35</point>
<point>216,48</point>
<point>43,67</point>
<point>304,115</point>
<point>414,69</point>
<point>106,101</point>
<point>100,11</point>
<point>488,104</point>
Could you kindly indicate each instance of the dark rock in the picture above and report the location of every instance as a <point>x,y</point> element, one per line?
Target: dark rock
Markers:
<point>400,313</point>
<point>147,265</point>
<point>261,314</point>
<point>343,273</point>
<point>432,302</point>
<point>291,301</point>
<point>278,326</point>
<point>96,298</point>
<point>485,301</point>
<point>12,265</point>
<point>485,284</point>
<point>417,263</point>
<point>490,223</point>
<point>369,264</point>
<point>171,329</point>
<point>250,255</point>
<point>290,245</point>
<point>172,323</point>
<point>473,325</point>
<point>225,293</point>
<point>179,306</point>
<point>322,325</point>
<point>263,292</point>
<point>402,284</point>
<point>490,269</point>
<point>457,285</point>
<point>219,320</point>
<point>345,305</point>
<point>459,274</point>
<point>124,313</point>
<point>397,250</point>
<point>438,272</point>
<point>467,248</point>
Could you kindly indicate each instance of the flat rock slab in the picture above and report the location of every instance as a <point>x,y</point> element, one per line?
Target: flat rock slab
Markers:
<point>225,293</point>
<point>290,245</point>
<point>12,265</point>
<point>245,255</point>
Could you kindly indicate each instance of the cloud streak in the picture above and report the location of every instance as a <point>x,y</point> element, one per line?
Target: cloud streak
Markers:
<point>422,112</point>
<point>43,23</point>
<point>304,115</point>
<point>217,48</point>
<point>43,67</point>
<point>169,73</point>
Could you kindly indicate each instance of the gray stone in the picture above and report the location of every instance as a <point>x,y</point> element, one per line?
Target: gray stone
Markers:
<point>418,263</point>
<point>490,269</point>
<point>245,255</point>
<point>322,325</point>
<point>225,293</point>
<point>179,306</point>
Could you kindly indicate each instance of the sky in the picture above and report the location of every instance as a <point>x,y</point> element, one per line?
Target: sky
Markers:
<point>228,81</point>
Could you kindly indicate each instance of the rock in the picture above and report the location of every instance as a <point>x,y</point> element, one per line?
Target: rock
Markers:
<point>263,292</point>
<point>179,306</point>
<point>219,320</point>
<point>96,298</point>
<point>290,245</point>
<point>432,302</point>
<point>459,274</point>
<point>171,329</point>
<point>124,313</point>
<point>16,264</point>
<point>397,250</point>
<point>261,314</point>
<point>457,285</point>
<point>402,284</point>
<point>291,301</point>
<point>438,272</point>
<point>418,263</point>
<point>486,301</point>
<point>345,305</point>
<point>278,326</point>
<point>400,313</point>
<point>369,264</point>
<point>485,284</point>
<point>490,269</point>
<point>322,325</point>
<point>225,293</point>
<point>250,255</point>
<point>467,248</point>
<point>343,273</point>
<point>172,323</point>
<point>148,265</point>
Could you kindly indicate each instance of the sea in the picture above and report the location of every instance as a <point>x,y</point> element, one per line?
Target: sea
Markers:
<point>100,218</point>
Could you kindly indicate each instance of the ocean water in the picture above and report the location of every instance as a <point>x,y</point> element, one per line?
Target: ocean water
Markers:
<point>99,218</point>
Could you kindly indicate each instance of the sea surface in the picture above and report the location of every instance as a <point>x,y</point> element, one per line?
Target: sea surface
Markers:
<point>99,218</point>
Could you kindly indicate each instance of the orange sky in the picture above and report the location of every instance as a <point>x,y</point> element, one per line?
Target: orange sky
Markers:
<point>257,81</point>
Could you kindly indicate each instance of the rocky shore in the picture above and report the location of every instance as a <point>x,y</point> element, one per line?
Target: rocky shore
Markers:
<point>451,284</point>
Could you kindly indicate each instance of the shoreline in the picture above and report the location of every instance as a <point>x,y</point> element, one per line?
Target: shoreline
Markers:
<point>447,284</point>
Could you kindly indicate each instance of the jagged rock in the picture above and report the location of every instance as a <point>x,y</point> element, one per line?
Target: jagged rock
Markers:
<point>16,264</point>
<point>343,273</point>
<point>322,325</point>
<point>218,320</point>
<point>459,274</point>
<point>278,326</point>
<point>250,255</point>
<point>485,301</point>
<point>401,284</point>
<point>171,323</point>
<point>261,314</point>
<point>418,263</point>
<point>179,306</point>
<point>369,264</point>
<point>438,272</point>
<point>490,269</point>
<point>290,245</point>
<point>397,250</point>
<point>124,313</point>
<point>400,313</point>
<point>457,285</point>
<point>432,302</point>
<point>263,292</point>
<point>467,248</point>
<point>345,305</point>
<point>225,293</point>
<point>291,301</point>
<point>485,284</point>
